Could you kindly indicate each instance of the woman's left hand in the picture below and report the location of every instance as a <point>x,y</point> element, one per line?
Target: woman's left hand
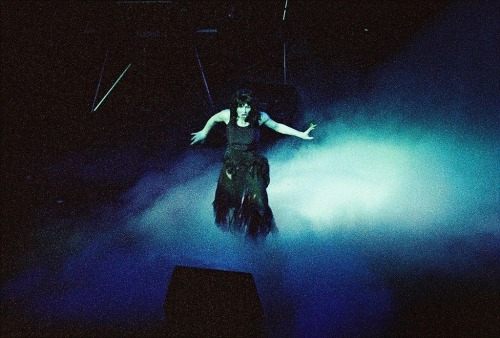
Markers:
<point>306,133</point>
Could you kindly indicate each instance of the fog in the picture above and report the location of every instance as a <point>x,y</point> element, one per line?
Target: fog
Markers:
<point>403,176</point>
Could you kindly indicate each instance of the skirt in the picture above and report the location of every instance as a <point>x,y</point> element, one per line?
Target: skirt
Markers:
<point>241,203</point>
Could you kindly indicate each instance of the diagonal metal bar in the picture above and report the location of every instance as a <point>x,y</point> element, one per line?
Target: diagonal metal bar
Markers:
<point>113,86</point>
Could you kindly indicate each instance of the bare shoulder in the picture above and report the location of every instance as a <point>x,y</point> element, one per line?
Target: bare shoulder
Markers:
<point>264,117</point>
<point>223,116</point>
<point>267,121</point>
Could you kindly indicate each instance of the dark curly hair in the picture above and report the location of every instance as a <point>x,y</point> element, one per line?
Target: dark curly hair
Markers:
<point>241,97</point>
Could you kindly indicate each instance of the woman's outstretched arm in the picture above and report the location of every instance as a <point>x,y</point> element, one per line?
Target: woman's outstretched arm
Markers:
<point>200,136</point>
<point>286,130</point>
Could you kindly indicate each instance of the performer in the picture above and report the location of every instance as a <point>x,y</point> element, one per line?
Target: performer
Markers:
<point>241,203</point>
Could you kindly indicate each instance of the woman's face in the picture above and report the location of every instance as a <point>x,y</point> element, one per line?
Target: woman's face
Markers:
<point>243,110</point>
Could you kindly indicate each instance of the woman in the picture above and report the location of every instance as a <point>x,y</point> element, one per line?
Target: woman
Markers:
<point>241,203</point>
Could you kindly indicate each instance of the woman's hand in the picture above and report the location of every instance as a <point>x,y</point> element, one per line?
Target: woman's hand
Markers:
<point>198,137</point>
<point>305,135</point>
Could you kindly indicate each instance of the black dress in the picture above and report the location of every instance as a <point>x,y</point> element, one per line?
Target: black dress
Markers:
<point>241,203</point>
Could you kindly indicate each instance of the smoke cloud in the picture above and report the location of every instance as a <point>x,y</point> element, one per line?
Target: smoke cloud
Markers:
<point>406,170</point>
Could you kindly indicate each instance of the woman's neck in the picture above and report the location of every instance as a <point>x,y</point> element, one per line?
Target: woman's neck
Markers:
<point>242,122</point>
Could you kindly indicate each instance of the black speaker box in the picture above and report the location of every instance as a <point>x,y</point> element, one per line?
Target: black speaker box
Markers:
<point>212,303</point>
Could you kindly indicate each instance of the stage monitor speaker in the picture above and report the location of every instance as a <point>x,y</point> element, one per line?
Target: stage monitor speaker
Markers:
<point>212,303</point>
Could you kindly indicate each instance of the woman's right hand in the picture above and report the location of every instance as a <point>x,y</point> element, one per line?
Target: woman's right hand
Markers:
<point>198,137</point>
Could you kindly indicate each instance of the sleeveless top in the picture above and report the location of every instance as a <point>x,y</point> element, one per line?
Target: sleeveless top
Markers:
<point>242,138</point>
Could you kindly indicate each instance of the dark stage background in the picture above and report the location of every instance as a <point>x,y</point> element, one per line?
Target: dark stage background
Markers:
<point>389,219</point>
